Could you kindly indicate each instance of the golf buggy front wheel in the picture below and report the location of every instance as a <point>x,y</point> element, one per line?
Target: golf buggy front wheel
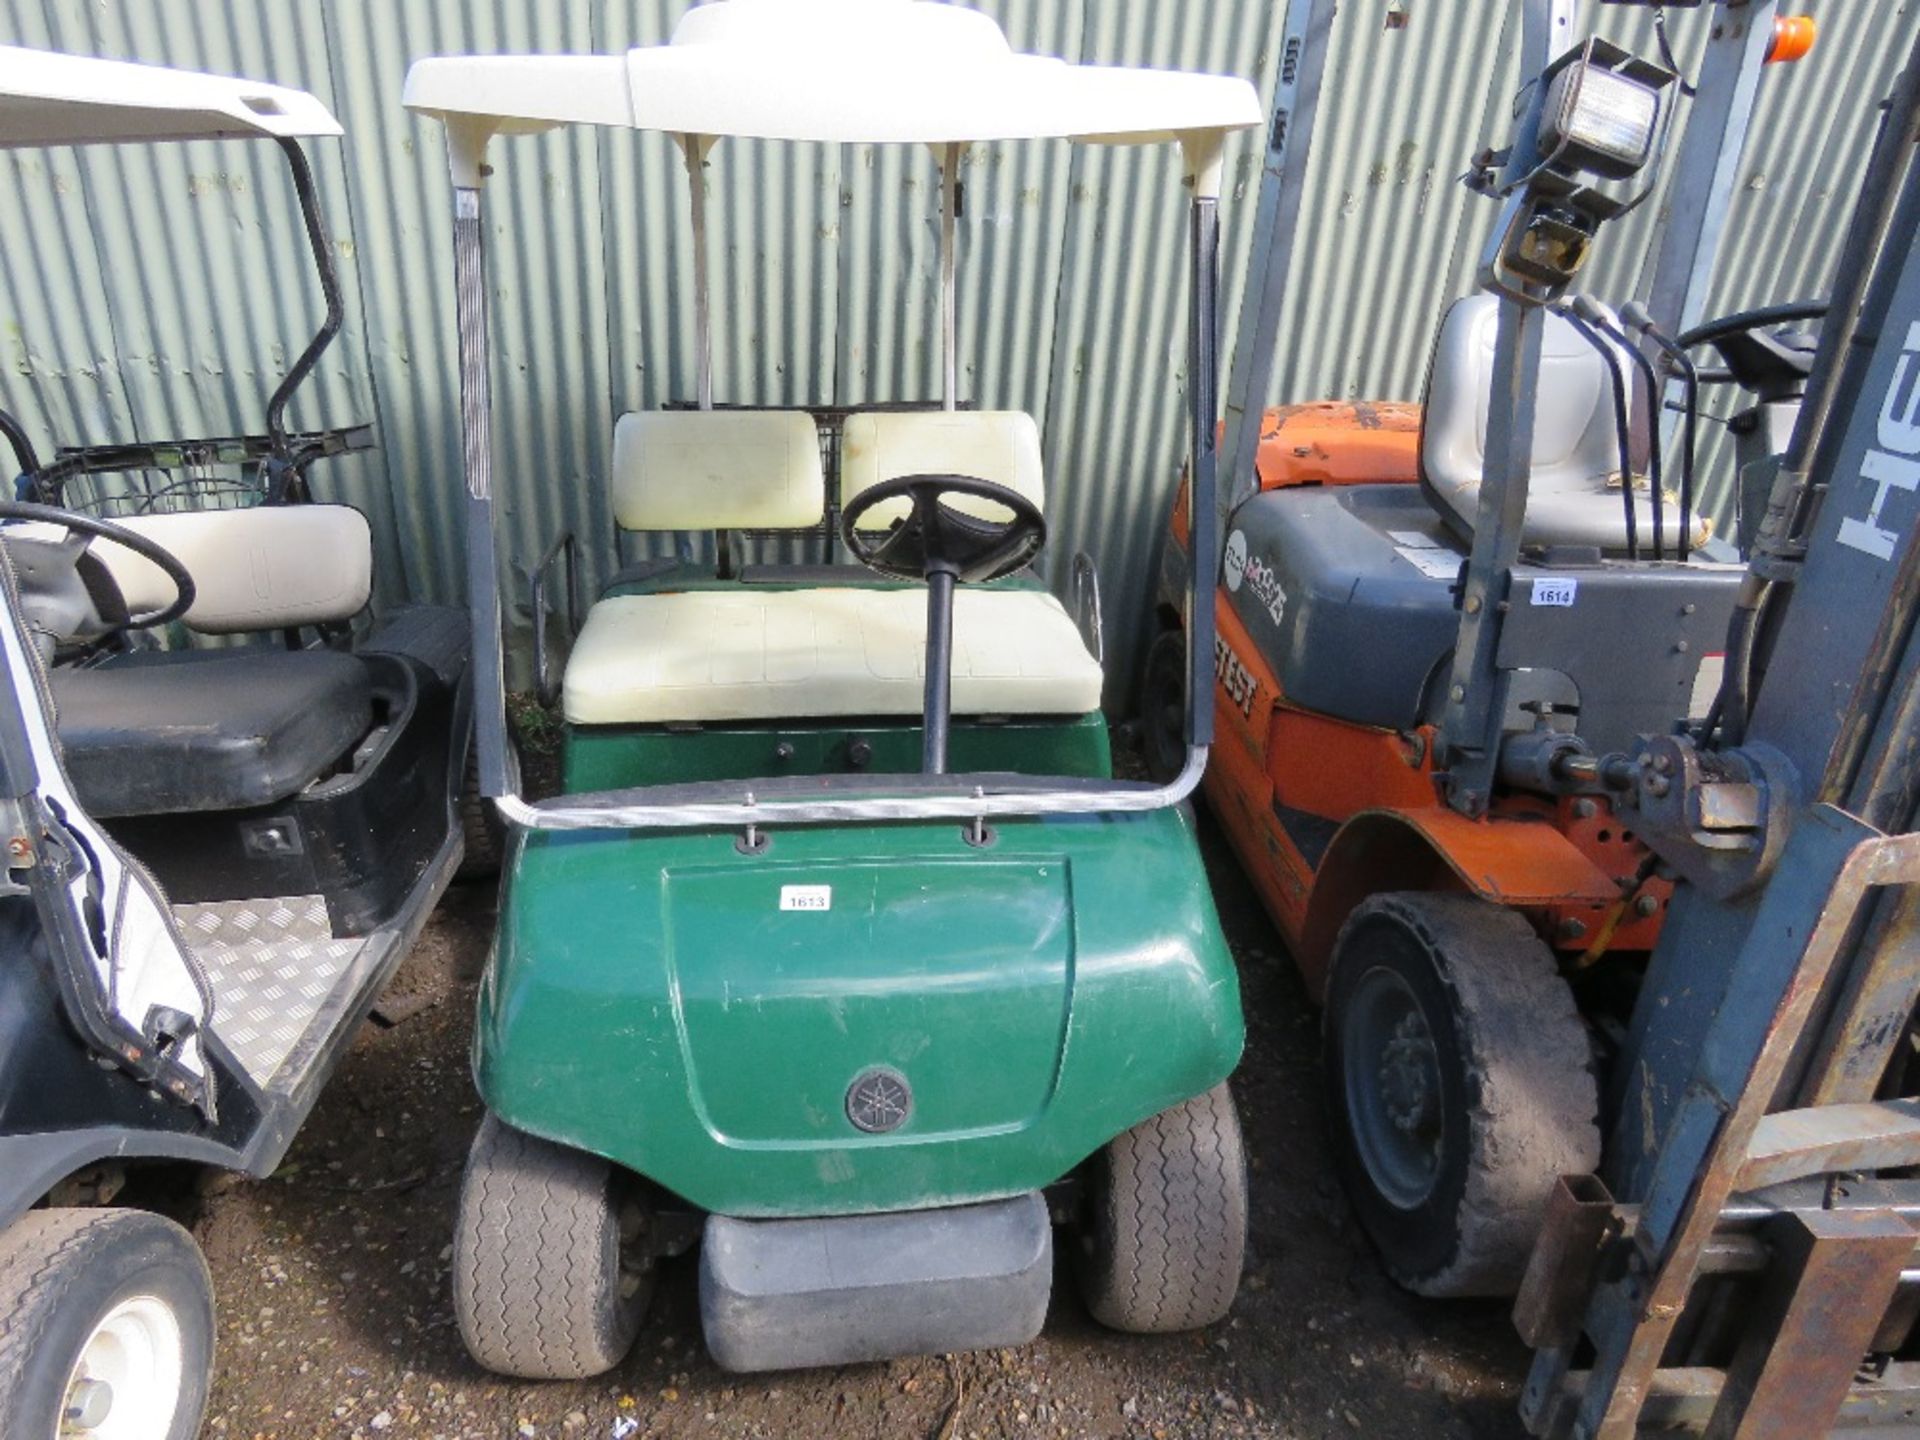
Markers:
<point>1459,1084</point>
<point>1165,1234</point>
<point>106,1327</point>
<point>548,1280</point>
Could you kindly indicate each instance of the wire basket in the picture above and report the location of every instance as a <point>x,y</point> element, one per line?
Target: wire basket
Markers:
<point>170,476</point>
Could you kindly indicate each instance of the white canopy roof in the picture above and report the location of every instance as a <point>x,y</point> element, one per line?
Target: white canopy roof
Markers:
<point>47,98</point>
<point>834,71</point>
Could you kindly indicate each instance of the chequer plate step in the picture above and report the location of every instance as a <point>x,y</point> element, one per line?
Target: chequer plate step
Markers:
<point>272,964</point>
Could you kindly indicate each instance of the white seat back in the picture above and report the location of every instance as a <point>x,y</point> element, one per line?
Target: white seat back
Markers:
<point>1573,496</point>
<point>717,470</point>
<point>266,567</point>
<point>998,445</point>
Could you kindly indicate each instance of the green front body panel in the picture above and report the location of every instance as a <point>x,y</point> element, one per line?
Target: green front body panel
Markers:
<point>651,1000</point>
<point>631,757</point>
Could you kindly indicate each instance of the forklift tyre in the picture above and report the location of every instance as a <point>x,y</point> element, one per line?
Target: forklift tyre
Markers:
<point>483,831</point>
<point>1163,707</point>
<point>1166,1231</point>
<point>1460,1085</point>
<point>541,1287</point>
<point>107,1329</point>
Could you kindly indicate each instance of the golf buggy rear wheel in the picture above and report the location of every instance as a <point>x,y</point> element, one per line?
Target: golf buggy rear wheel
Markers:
<point>1163,706</point>
<point>1460,1085</point>
<point>483,832</point>
<point>546,1285</point>
<point>1165,1234</point>
<point>106,1327</point>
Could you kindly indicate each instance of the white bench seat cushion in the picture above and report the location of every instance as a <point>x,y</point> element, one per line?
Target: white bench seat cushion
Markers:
<point>715,655</point>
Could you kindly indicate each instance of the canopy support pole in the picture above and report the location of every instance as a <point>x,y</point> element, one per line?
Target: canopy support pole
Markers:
<point>281,466</point>
<point>476,445</point>
<point>696,151</point>
<point>950,277</point>
<point>1203,500</point>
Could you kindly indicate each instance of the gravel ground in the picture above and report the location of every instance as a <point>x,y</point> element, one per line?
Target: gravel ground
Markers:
<point>335,1318</point>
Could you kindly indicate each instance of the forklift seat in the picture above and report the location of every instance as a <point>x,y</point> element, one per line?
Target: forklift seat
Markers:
<point>1573,497</point>
<point>173,732</point>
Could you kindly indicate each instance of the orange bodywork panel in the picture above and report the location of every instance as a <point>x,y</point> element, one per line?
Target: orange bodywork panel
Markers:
<point>1238,787</point>
<point>1324,813</point>
<point>1273,762</point>
<point>1339,442</point>
<point>1519,861</point>
<point>1373,791</point>
<point>1330,442</point>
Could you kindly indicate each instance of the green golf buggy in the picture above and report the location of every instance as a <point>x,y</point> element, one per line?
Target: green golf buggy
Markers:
<point>842,953</point>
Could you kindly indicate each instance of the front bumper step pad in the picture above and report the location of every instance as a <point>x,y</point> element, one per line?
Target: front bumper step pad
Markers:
<point>794,1294</point>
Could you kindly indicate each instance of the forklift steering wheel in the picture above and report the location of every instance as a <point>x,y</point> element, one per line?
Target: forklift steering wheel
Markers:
<point>1766,317</point>
<point>936,538</point>
<point>95,528</point>
<point>1756,351</point>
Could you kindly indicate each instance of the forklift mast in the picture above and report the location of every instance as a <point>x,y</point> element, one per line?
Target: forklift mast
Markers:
<point>1755,1275</point>
<point>1745,1262</point>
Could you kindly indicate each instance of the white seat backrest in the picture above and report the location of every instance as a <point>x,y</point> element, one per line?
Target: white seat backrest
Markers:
<point>266,567</point>
<point>717,470</point>
<point>1575,442</point>
<point>998,445</point>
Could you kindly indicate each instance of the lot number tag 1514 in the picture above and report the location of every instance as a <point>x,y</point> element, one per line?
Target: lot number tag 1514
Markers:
<point>1554,590</point>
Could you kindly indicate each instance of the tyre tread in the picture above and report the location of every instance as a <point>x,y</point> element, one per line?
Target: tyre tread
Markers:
<point>1170,1220</point>
<point>536,1260</point>
<point>43,1255</point>
<point>1534,1116</point>
<point>483,834</point>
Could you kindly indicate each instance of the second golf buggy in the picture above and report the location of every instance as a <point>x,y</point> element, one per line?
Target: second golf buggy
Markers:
<point>229,799</point>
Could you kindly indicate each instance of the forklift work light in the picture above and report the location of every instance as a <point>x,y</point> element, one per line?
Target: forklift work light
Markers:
<point>1793,39</point>
<point>1599,119</point>
<point>1596,117</point>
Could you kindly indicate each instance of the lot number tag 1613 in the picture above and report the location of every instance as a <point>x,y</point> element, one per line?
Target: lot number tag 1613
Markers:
<point>806,897</point>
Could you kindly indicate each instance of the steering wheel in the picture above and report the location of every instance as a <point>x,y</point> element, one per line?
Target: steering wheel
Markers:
<point>935,538</point>
<point>1755,353</point>
<point>78,524</point>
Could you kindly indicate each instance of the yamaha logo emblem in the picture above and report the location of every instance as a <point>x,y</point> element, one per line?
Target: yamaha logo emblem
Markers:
<point>879,1100</point>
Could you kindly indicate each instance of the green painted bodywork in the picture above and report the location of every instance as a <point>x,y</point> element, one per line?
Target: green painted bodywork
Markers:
<point>650,1001</point>
<point>616,757</point>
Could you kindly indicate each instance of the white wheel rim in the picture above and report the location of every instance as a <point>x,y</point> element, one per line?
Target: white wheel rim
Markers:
<point>139,1354</point>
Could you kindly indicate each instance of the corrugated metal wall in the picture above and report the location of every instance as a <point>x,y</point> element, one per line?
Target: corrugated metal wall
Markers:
<point>162,292</point>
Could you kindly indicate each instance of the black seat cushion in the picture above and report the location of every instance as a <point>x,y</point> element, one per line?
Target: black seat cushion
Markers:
<point>162,733</point>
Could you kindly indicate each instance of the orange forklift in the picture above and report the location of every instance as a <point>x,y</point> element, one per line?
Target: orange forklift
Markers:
<point>1437,626</point>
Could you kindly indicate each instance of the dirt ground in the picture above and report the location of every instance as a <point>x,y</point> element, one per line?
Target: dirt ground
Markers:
<point>335,1319</point>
